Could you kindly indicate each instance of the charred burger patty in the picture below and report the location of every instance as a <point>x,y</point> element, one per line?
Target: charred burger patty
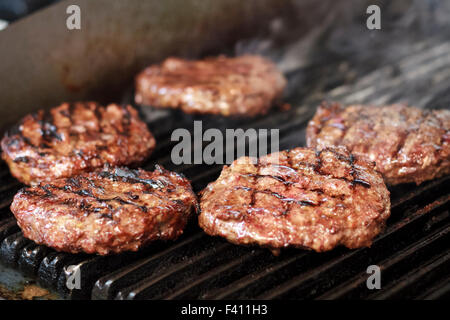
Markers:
<point>75,138</point>
<point>106,211</point>
<point>407,144</point>
<point>299,198</point>
<point>245,85</point>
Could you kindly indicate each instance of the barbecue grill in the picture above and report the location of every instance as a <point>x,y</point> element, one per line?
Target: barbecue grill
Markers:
<point>413,252</point>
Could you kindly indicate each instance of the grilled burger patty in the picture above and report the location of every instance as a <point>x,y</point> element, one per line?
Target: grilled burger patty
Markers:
<point>110,210</point>
<point>73,138</point>
<point>407,144</point>
<point>245,85</point>
<point>299,198</point>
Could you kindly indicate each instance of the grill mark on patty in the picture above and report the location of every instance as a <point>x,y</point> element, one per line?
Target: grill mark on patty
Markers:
<point>131,177</point>
<point>91,183</point>
<point>126,120</point>
<point>88,193</point>
<point>22,159</point>
<point>353,171</point>
<point>404,135</point>
<point>68,112</point>
<point>98,113</point>
<point>289,201</point>
<point>343,129</point>
<point>71,137</point>
<point>418,138</point>
<point>89,208</point>
<point>48,128</point>
<point>255,181</point>
<point>46,190</point>
<point>74,215</point>
<point>276,195</point>
<point>317,168</point>
<point>401,144</point>
<point>287,183</point>
<point>122,201</point>
<point>74,181</point>
<point>317,212</point>
<point>323,121</point>
<point>16,130</point>
<point>289,204</point>
<point>260,176</point>
<point>350,160</point>
<point>21,137</point>
<point>349,125</point>
<point>31,193</point>
<point>354,174</point>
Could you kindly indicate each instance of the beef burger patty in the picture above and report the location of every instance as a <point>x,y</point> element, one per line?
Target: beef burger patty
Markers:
<point>106,211</point>
<point>408,144</point>
<point>74,138</point>
<point>241,86</point>
<point>300,198</point>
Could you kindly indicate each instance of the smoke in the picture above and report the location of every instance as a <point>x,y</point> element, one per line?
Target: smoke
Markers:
<point>310,31</point>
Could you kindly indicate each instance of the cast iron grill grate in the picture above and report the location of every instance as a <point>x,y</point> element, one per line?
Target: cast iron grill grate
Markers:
<point>413,252</point>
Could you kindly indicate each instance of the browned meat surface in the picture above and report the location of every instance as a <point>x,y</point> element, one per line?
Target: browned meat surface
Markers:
<point>106,211</point>
<point>306,199</point>
<point>243,86</point>
<point>407,144</point>
<point>74,138</point>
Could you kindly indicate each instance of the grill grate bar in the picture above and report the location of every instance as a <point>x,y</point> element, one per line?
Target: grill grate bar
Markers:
<point>192,289</point>
<point>10,248</point>
<point>13,184</point>
<point>6,197</point>
<point>410,284</point>
<point>144,287</point>
<point>384,238</point>
<point>441,290</point>
<point>232,289</point>
<point>7,227</point>
<point>355,286</point>
<point>107,286</point>
<point>52,266</point>
<point>91,268</point>
<point>31,257</point>
<point>427,187</point>
<point>403,194</point>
